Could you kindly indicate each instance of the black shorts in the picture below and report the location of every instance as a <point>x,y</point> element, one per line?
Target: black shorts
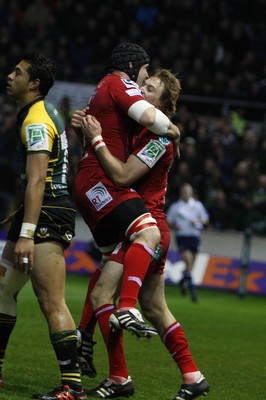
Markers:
<point>111,228</point>
<point>56,223</point>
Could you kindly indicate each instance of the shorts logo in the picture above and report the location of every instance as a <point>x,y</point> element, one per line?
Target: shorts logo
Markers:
<point>99,196</point>
<point>43,233</point>
<point>68,236</point>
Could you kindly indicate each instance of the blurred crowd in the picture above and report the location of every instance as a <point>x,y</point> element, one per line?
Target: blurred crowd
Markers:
<point>217,48</point>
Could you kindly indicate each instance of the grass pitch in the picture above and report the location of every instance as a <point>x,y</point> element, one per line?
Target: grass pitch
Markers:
<point>227,337</point>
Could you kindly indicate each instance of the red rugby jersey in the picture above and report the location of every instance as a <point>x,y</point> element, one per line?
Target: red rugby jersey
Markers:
<point>109,103</point>
<point>156,152</point>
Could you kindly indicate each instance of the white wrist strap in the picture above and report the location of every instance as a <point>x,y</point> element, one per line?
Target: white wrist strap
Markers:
<point>27,230</point>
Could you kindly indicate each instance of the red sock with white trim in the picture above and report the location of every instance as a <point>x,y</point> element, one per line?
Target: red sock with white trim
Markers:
<point>113,341</point>
<point>136,264</point>
<point>88,320</point>
<point>175,341</point>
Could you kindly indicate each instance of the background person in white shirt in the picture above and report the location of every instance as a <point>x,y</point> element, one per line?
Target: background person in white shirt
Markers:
<point>187,217</point>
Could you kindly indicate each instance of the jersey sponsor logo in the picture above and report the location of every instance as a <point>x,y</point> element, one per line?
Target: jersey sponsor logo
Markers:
<point>99,196</point>
<point>37,137</point>
<point>151,153</point>
<point>133,92</point>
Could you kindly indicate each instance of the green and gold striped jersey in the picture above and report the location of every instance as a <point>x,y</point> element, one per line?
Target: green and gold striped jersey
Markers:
<point>41,130</point>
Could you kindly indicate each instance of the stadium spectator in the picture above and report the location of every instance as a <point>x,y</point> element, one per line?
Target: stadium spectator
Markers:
<point>262,149</point>
<point>259,206</point>
<point>259,198</point>
<point>190,154</point>
<point>241,203</point>
<point>208,181</point>
<point>220,212</point>
<point>208,45</point>
<point>249,146</point>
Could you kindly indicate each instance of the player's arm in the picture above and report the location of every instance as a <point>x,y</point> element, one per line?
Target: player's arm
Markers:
<point>203,218</point>
<point>122,174</point>
<point>156,121</point>
<point>36,170</point>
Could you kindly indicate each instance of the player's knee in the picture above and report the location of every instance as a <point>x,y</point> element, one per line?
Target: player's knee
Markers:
<point>144,229</point>
<point>50,303</point>
<point>45,306</point>
<point>99,296</point>
<point>151,237</point>
<point>11,283</point>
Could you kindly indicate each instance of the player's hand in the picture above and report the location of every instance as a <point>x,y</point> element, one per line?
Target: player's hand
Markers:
<point>176,141</point>
<point>76,119</point>
<point>91,127</point>
<point>173,132</point>
<point>24,250</point>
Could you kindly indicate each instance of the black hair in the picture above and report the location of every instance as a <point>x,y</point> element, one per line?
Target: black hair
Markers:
<point>42,68</point>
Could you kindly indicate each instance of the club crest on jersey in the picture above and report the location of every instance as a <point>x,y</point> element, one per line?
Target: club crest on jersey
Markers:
<point>151,153</point>
<point>99,196</point>
<point>37,137</point>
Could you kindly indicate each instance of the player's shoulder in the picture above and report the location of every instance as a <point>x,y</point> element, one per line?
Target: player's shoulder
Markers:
<point>123,83</point>
<point>44,117</point>
<point>41,110</point>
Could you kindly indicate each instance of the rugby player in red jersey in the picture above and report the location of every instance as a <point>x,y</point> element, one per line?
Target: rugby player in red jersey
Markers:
<point>109,210</point>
